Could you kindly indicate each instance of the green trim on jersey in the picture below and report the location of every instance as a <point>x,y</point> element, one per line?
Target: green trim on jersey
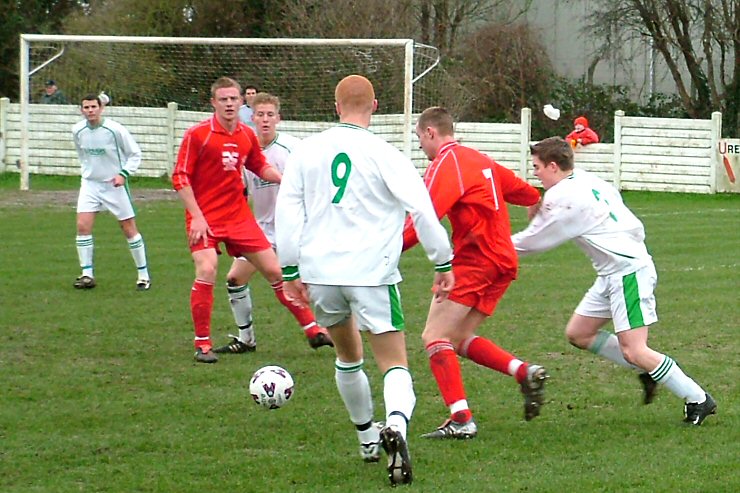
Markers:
<point>632,300</point>
<point>444,267</point>
<point>276,143</point>
<point>352,125</point>
<point>349,369</point>
<point>290,273</point>
<point>396,368</point>
<point>396,310</point>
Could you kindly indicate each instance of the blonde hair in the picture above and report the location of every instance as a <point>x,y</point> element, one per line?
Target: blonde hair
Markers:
<point>355,93</point>
<point>266,98</point>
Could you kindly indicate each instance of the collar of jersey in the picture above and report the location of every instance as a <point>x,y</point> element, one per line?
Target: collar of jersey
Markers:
<point>217,127</point>
<point>446,147</point>
<point>102,121</point>
<point>352,125</point>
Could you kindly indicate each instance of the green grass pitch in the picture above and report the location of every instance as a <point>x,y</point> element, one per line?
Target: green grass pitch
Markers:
<point>100,392</point>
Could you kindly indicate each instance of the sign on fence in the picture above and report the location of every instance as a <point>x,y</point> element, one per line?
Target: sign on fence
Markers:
<point>728,172</point>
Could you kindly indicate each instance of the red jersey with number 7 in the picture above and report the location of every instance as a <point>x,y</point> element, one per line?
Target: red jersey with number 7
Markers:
<point>210,161</point>
<point>472,190</point>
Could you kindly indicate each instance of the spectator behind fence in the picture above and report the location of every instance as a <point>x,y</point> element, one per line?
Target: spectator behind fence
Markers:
<point>53,95</point>
<point>582,135</point>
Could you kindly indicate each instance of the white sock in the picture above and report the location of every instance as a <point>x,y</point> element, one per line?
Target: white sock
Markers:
<point>85,254</point>
<point>606,345</point>
<point>398,393</point>
<point>138,252</point>
<point>354,388</point>
<point>669,374</point>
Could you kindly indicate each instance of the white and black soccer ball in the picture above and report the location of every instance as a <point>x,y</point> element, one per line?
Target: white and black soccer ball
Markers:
<point>271,387</point>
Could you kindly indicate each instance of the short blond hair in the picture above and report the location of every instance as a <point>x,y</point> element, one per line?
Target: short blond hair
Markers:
<point>355,93</point>
<point>224,82</point>
<point>266,98</point>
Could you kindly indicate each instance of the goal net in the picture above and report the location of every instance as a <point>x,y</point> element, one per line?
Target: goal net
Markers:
<point>146,72</point>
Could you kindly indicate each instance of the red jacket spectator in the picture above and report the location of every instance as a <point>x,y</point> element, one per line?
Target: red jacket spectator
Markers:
<point>582,134</point>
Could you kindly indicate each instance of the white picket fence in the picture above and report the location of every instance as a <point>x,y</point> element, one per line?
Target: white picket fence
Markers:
<point>654,154</point>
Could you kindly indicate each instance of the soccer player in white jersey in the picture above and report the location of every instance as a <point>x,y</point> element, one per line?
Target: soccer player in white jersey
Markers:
<point>108,156</point>
<point>276,147</point>
<point>581,207</point>
<point>339,222</point>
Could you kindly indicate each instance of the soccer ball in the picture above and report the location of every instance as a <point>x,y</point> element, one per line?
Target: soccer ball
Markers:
<point>271,387</point>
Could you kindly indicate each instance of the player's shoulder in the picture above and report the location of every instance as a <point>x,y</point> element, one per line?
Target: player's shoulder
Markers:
<point>79,126</point>
<point>287,140</point>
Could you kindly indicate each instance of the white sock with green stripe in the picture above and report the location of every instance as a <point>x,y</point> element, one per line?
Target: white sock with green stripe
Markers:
<point>138,252</point>
<point>670,374</point>
<point>85,254</point>
<point>240,300</point>
<point>398,393</point>
<point>606,345</point>
<point>354,388</point>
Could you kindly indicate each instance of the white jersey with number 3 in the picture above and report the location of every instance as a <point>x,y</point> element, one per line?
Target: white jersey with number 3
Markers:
<point>590,211</point>
<point>264,193</point>
<point>341,210</point>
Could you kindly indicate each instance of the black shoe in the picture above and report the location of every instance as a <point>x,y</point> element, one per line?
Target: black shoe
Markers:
<point>399,462</point>
<point>533,388</point>
<point>236,346</point>
<point>696,412</point>
<point>84,282</point>
<point>649,387</point>
<point>320,339</point>
<point>205,357</point>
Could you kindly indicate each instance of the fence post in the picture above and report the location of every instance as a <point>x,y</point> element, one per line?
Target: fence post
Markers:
<point>171,117</point>
<point>525,137</point>
<point>4,107</point>
<point>617,180</point>
<point>716,136</point>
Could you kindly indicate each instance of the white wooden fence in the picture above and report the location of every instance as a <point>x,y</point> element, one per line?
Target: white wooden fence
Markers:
<point>654,154</point>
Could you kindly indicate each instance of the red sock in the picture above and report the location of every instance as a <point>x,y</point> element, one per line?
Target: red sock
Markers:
<point>201,306</point>
<point>304,316</point>
<point>446,370</point>
<point>484,352</point>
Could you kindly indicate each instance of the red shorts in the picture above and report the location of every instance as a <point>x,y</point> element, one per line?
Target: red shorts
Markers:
<point>239,238</point>
<point>478,290</point>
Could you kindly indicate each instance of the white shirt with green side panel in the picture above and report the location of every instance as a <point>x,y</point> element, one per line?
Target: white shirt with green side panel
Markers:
<point>106,150</point>
<point>588,210</point>
<point>341,209</point>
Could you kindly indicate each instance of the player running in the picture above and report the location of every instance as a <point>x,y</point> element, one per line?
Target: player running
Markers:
<point>581,207</point>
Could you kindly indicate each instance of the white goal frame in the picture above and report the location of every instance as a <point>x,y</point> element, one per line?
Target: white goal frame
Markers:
<point>26,71</point>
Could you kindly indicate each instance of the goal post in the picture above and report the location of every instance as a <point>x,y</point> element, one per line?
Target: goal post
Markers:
<point>146,72</point>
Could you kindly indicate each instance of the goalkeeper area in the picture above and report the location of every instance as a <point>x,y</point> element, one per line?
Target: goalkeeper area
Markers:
<point>148,79</point>
<point>152,72</point>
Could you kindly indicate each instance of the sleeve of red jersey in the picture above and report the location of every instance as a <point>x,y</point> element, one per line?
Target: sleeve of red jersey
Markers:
<point>255,160</point>
<point>186,157</point>
<point>445,188</point>
<point>516,191</point>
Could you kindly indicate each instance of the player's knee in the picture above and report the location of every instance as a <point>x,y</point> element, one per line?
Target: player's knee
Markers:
<point>631,354</point>
<point>575,338</point>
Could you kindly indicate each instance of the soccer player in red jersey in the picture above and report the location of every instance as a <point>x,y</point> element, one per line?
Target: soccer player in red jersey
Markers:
<point>208,179</point>
<point>472,190</point>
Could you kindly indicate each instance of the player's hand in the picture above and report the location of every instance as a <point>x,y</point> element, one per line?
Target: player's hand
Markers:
<point>532,210</point>
<point>443,284</point>
<point>199,231</point>
<point>119,181</point>
<point>296,293</point>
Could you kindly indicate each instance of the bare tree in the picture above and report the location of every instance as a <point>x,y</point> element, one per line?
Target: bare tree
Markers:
<point>697,39</point>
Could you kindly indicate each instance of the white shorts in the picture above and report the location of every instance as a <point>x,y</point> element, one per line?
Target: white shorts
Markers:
<point>629,300</point>
<point>376,308</point>
<point>96,196</point>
